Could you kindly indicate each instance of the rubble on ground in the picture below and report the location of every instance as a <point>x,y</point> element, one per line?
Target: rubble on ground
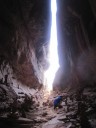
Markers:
<point>78,109</point>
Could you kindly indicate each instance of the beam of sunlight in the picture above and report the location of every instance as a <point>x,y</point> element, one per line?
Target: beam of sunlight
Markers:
<point>53,52</point>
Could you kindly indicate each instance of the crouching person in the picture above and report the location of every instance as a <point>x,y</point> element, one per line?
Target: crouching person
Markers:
<point>57,102</point>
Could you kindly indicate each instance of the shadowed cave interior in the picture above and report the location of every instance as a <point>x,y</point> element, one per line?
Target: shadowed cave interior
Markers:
<point>25,27</point>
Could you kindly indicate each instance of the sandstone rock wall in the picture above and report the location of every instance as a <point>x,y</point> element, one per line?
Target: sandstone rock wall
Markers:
<point>24,30</point>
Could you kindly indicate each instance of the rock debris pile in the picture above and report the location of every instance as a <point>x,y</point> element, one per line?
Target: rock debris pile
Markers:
<point>78,111</point>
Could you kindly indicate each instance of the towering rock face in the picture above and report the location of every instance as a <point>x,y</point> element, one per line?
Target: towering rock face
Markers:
<point>24,30</point>
<point>76,37</point>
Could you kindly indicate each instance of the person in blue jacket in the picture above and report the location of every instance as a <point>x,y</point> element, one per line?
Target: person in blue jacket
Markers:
<point>57,101</point>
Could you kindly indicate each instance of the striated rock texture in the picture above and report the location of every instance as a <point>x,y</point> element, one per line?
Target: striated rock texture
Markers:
<point>77,39</point>
<point>24,36</point>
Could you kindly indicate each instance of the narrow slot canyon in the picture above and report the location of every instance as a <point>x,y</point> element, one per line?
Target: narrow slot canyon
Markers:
<point>47,64</point>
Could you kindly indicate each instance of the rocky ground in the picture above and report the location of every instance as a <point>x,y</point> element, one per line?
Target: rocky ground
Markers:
<point>78,111</point>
